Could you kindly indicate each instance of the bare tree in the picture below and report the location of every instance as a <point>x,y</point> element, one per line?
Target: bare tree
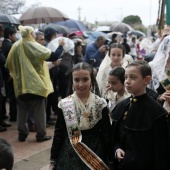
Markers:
<point>11,6</point>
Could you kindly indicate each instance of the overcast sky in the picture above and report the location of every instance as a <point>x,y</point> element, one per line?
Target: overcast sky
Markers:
<point>105,10</point>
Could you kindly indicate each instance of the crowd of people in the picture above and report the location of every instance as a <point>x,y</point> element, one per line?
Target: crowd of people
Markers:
<point>112,104</point>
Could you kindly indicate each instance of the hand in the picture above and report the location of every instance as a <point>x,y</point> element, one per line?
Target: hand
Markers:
<point>165,96</point>
<point>120,154</point>
<point>102,49</point>
<point>61,42</point>
<point>108,87</point>
<point>51,167</point>
<point>57,63</point>
<point>94,71</point>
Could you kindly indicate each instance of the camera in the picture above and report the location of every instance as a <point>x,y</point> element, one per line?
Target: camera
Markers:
<point>106,44</point>
<point>92,61</point>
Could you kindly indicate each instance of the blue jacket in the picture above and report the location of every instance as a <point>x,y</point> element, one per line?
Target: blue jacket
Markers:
<point>92,52</point>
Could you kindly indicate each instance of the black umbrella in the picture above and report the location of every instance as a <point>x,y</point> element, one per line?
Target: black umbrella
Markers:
<point>8,19</point>
<point>74,25</point>
<point>121,27</point>
<point>59,28</point>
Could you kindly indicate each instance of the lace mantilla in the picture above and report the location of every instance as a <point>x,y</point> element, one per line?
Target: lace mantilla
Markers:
<point>89,114</point>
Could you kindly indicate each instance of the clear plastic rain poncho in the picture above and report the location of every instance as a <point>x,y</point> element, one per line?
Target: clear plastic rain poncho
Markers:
<point>26,63</point>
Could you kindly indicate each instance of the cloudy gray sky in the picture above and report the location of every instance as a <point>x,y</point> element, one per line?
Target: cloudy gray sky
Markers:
<point>105,10</point>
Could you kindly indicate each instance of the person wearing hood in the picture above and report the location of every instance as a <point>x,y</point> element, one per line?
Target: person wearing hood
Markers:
<point>32,85</point>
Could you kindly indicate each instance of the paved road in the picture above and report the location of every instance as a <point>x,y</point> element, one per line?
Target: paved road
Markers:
<point>29,155</point>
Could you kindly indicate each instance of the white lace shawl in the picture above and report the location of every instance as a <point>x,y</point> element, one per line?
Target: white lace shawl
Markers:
<point>158,66</point>
<point>89,121</point>
<point>159,62</point>
<point>104,69</point>
<point>113,99</point>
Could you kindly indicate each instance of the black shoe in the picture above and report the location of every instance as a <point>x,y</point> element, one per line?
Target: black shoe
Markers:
<point>53,118</point>
<point>4,124</point>
<point>22,138</point>
<point>49,122</point>
<point>45,138</point>
<point>12,119</point>
<point>5,117</point>
<point>2,129</point>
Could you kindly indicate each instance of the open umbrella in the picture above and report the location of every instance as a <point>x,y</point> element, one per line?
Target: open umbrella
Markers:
<point>137,33</point>
<point>40,15</point>
<point>8,19</point>
<point>59,28</point>
<point>74,25</point>
<point>121,27</point>
<point>105,29</point>
<point>92,36</point>
<point>111,33</point>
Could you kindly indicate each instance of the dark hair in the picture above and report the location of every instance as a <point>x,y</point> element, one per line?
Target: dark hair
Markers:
<point>100,38</point>
<point>133,38</point>
<point>6,155</point>
<point>119,72</point>
<point>114,36</point>
<point>117,45</point>
<point>9,31</point>
<point>124,40</point>
<point>88,67</point>
<point>143,66</point>
<point>48,33</point>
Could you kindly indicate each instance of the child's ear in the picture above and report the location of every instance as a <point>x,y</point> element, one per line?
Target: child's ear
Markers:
<point>148,79</point>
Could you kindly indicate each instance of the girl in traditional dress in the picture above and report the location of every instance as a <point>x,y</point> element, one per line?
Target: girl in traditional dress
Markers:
<point>115,57</point>
<point>116,80</point>
<point>91,120</point>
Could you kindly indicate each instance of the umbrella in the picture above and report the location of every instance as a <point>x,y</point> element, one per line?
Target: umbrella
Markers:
<point>40,15</point>
<point>137,33</point>
<point>8,19</point>
<point>74,25</point>
<point>105,29</point>
<point>59,28</point>
<point>111,33</point>
<point>121,27</point>
<point>94,35</point>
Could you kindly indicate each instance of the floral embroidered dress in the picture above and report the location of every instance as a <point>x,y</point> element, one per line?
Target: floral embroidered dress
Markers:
<point>95,129</point>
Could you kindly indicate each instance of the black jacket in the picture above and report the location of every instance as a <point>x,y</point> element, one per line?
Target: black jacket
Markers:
<point>2,68</point>
<point>142,134</point>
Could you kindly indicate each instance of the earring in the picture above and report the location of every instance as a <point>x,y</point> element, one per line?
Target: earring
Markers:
<point>91,88</point>
<point>73,88</point>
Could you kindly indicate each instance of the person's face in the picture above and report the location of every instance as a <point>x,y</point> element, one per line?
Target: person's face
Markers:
<point>12,37</point>
<point>134,82</point>
<point>102,42</point>
<point>116,56</point>
<point>81,82</point>
<point>40,39</point>
<point>115,83</point>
